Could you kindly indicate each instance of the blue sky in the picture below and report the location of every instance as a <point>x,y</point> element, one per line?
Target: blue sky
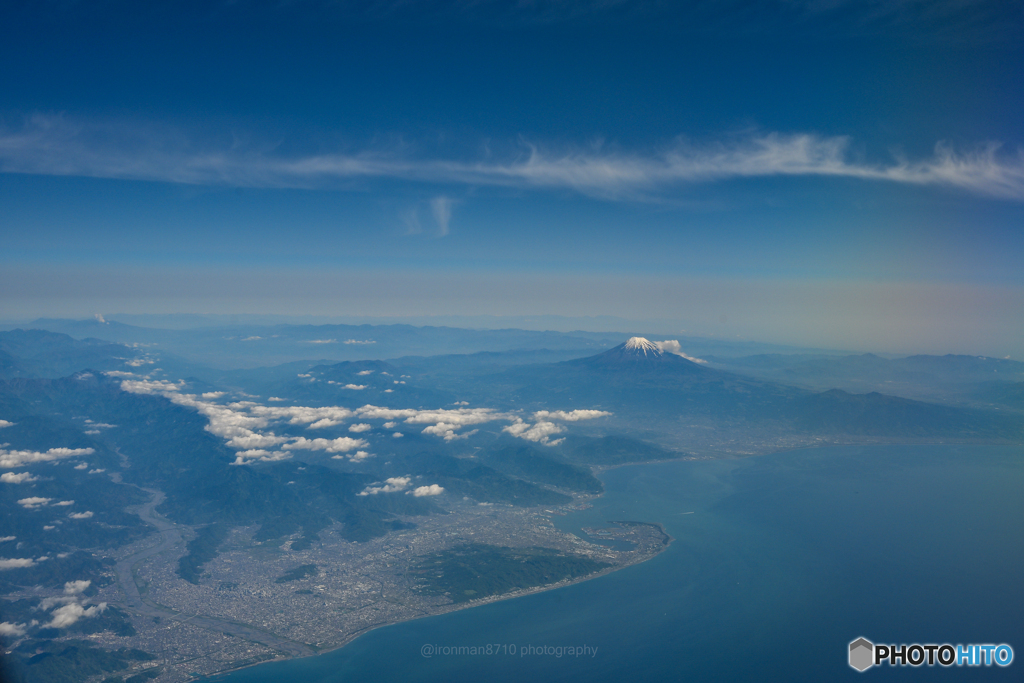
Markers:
<point>844,174</point>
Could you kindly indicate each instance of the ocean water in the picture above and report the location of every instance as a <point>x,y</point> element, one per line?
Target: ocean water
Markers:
<point>784,560</point>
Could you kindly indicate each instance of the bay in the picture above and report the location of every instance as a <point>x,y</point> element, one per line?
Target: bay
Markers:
<point>778,563</point>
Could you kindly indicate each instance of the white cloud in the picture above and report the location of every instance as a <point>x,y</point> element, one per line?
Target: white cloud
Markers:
<point>441,208</point>
<point>320,341</point>
<point>50,603</point>
<point>458,416</point>
<point>81,515</point>
<point>76,587</point>
<point>150,386</point>
<point>69,614</point>
<point>275,398</point>
<point>213,394</point>
<point>240,423</point>
<point>432,490</point>
<point>64,504</point>
<point>342,444</point>
<point>245,457</point>
<point>673,346</point>
<point>539,433</point>
<point>97,471</point>
<point>12,478</point>
<point>359,341</point>
<point>358,456</point>
<point>12,459</point>
<point>253,441</point>
<point>444,423</point>
<point>326,416</point>
<point>34,502</point>
<point>357,387</point>
<point>570,416</point>
<point>5,423</point>
<point>16,563</point>
<point>363,373</point>
<point>82,466</point>
<point>11,630</point>
<point>392,485</point>
<point>4,539</point>
<point>447,431</point>
<point>57,145</point>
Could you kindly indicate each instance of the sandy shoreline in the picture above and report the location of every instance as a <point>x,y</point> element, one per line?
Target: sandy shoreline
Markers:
<point>455,607</point>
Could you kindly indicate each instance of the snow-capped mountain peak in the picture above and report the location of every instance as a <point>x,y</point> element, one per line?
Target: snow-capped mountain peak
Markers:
<point>642,347</point>
<point>639,356</point>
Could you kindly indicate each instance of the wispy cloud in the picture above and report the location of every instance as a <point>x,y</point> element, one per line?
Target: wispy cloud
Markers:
<point>441,207</point>
<point>673,346</point>
<point>56,146</point>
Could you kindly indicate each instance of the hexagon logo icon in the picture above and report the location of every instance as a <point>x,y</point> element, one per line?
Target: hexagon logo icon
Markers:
<point>862,654</point>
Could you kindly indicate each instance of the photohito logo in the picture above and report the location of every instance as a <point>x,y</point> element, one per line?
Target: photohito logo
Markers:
<point>864,654</point>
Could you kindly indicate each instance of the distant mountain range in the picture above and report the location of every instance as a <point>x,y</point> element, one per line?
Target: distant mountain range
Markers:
<point>38,353</point>
<point>641,384</point>
<point>948,378</point>
<point>250,346</point>
<point>522,427</point>
<point>651,393</point>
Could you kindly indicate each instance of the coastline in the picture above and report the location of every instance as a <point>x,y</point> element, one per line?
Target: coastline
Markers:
<point>257,641</point>
<point>456,607</point>
<point>436,610</point>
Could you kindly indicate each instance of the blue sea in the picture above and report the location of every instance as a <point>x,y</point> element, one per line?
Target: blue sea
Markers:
<point>784,560</point>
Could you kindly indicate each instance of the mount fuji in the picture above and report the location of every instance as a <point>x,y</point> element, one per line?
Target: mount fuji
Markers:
<point>640,354</point>
<point>647,388</point>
